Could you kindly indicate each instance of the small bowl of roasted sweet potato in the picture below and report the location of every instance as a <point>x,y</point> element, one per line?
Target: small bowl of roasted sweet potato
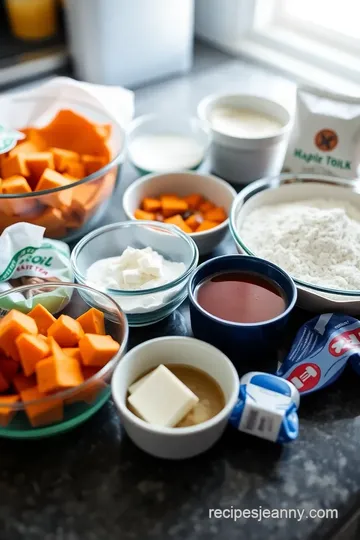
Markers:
<point>62,174</point>
<point>199,204</point>
<point>56,368</point>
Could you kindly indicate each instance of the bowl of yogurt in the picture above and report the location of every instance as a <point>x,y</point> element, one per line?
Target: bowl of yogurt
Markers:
<point>161,143</point>
<point>144,266</point>
<point>249,135</point>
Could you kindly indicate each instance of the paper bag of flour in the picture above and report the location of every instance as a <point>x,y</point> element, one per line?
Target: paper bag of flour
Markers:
<point>326,134</point>
<point>27,258</point>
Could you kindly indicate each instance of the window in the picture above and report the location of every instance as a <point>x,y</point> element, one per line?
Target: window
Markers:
<point>317,41</point>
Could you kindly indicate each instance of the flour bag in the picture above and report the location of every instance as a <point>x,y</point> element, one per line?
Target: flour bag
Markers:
<point>326,134</point>
<point>27,258</point>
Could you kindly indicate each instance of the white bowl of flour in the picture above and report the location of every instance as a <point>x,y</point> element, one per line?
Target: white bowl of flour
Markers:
<point>309,226</point>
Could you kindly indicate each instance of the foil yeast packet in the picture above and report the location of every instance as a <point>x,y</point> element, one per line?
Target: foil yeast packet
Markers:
<point>320,352</point>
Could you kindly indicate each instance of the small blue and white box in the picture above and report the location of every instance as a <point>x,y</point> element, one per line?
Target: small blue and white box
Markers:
<point>267,407</point>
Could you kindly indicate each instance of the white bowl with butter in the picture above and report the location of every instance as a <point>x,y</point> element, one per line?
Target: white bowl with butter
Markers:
<point>170,442</point>
<point>249,135</point>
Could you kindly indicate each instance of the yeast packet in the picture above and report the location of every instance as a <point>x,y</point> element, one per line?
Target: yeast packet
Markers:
<point>320,352</point>
<point>267,407</point>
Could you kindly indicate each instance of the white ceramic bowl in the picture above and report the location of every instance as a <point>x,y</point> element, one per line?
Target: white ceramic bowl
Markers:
<point>291,188</point>
<point>239,159</point>
<point>175,443</point>
<point>184,183</point>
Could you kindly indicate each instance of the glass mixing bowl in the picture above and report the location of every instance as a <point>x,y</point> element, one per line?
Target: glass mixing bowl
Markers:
<point>142,306</point>
<point>79,403</point>
<point>305,186</point>
<point>90,195</point>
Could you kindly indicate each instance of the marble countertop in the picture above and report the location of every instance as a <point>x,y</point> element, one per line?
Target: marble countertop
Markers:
<point>94,484</point>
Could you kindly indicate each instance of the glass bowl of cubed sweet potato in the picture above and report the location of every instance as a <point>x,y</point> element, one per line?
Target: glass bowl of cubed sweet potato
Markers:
<point>56,368</point>
<point>199,204</point>
<point>63,172</point>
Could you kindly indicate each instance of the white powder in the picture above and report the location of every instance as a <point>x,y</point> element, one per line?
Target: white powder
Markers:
<point>316,241</point>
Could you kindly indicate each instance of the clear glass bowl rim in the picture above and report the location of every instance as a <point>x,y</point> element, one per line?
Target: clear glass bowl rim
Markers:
<point>65,394</point>
<point>143,223</point>
<point>285,179</point>
<point>119,158</point>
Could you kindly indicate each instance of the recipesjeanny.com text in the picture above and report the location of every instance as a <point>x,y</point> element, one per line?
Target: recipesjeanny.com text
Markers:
<point>260,514</point>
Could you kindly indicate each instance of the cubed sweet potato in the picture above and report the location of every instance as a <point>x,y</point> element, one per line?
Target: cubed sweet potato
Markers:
<point>171,207</point>
<point>206,206</point>
<point>194,200</point>
<point>216,214</point>
<point>194,221</point>
<point>14,165</point>
<point>31,350</point>
<point>37,162</point>
<point>92,321</point>
<point>43,318</point>
<point>93,163</point>
<point>11,326</point>
<point>66,331</point>
<point>8,368</point>
<point>44,413</point>
<point>179,222</point>
<point>49,180</point>
<point>63,157</point>
<point>13,186</point>
<point>97,350</point>
<point>141,214</point>
<point>151,205</point>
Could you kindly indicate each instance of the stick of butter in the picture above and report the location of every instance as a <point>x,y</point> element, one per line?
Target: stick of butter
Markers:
<point>162,399</point>
<point>138,383</point>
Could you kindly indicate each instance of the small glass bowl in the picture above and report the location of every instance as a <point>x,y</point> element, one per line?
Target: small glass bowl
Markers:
<point>73,222</point>
<point>156,124</point>
<point>69,408</point>
<point>145,306</point>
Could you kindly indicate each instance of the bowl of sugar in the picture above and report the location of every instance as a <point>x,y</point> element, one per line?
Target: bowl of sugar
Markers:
<point>310,226</point>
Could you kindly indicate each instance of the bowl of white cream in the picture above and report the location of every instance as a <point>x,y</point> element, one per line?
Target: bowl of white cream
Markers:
<point>249,135</point>
<point>144,266</point>
<point>160,143</point>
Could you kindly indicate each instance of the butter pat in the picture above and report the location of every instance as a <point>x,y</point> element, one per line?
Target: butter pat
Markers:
<point>138,383</point>
<point>162,399</point>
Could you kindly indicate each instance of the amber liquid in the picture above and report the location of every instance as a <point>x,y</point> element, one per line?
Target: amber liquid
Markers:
<point>211,397</point>
<point>241,297</point>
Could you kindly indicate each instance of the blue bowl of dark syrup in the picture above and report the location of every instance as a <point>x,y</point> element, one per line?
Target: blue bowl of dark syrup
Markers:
<point>241,305</point>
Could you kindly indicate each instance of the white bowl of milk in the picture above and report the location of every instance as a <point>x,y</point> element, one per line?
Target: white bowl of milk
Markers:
<point>249,136</point>
<point>159,143</point>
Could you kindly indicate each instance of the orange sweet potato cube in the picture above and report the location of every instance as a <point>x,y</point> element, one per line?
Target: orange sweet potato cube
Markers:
<point>194,221</point>
<point>11,326</point>
<point>179,222</point>
<point>92,390</point>
<point>92,322</point>
<point>41,414</point>
<point>66,331</point>
<point>24,147</point>
<point>140,214</point>
<point>97,350</point>
<point>216,214</point>
<point>75,170</point>
<point>43,318</point>
<point>206,206</point>
<point>51,179</point>
<point>168,196</point>
<point>151,205</point>
<point>207,225</point>
<point>31,350</point>
<point>63,157</point>
<point>59,371</point>
<point>13,186</point>
<point>172,207</point>
<point>14,165</point>
<point>194,200</point>
<point>37,162</point>
<point>7,412</point>
<point>93,163</point>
